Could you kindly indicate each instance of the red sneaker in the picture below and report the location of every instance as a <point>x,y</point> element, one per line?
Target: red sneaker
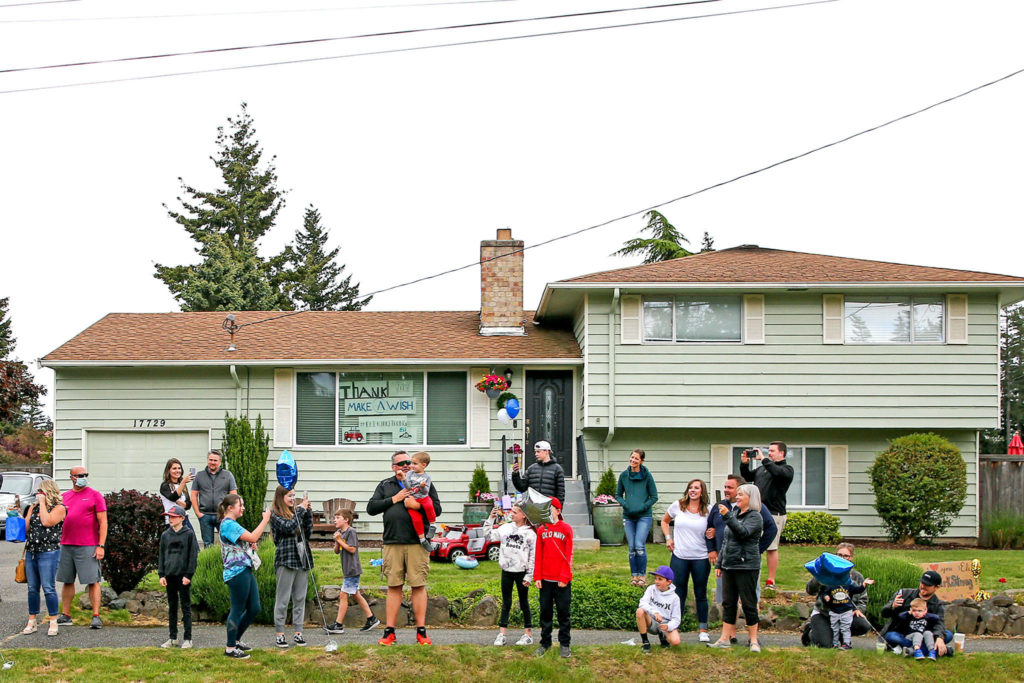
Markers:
<point>388,639</point>
<point>423,639</point>
<point>769,584</point>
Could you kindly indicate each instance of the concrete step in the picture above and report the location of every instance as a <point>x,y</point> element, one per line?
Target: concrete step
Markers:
<point>574,507</point>
<point>585,543</point>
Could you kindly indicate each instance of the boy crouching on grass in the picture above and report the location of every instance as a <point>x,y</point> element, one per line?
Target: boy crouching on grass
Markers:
<point>346,544</point>
<point>176,564</point>
<point>659,610</point>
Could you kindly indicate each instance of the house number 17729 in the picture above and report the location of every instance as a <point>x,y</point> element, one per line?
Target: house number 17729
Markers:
<point>149,423</point>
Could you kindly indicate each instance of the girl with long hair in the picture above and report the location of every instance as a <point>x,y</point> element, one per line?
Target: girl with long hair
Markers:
<point>174,488</point>
<point>238,572</point>
<point>291,526</point>
<point>689,549</point>
<point>44,522</point>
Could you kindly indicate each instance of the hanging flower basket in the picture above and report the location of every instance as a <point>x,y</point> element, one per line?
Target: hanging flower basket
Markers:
<point>492,385</point>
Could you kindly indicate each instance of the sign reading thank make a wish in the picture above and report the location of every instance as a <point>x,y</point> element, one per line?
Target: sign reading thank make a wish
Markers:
<point>379,406</point>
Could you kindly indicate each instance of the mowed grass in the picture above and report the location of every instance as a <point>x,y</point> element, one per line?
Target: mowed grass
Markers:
<point>483,663</point>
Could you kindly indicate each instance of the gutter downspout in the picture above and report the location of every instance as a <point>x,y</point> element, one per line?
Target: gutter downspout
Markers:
<point>611,381</point>
<point>238,391</point>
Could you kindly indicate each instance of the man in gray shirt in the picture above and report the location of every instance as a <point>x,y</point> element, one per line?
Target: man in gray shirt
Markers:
<point>208,490</point>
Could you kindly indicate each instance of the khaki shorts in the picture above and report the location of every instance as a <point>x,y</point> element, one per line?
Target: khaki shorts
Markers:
<point>780,522</point>
<point>406,563</point>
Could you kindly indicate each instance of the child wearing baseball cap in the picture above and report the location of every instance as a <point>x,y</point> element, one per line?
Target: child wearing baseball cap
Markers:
<point>175,566</point>
<point>552,574</point>
<point>659,610</point>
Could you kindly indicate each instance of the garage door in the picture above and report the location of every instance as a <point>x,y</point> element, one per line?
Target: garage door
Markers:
<point>135,460</point>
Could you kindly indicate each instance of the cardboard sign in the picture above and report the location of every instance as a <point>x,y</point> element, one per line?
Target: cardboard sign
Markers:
<point>957,580</point>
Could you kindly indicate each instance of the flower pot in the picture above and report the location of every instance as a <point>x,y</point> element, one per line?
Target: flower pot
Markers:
<point>476,513</point>
<point>608,525</point>
<point>492,393</point>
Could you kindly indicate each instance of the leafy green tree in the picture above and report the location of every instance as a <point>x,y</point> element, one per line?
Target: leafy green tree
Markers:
<point>228,223</point>
<point>665,244</point>
<point>246,449</point>
<point>316,283</point>
<point>1011,375</point>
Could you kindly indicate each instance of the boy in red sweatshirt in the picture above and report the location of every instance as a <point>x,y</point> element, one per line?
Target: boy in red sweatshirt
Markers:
<point>552,573</point>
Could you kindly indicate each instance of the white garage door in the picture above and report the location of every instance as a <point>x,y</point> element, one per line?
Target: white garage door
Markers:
<point>135,460</point>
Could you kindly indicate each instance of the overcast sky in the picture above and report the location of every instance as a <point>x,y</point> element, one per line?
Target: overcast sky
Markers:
<point>413,157</point>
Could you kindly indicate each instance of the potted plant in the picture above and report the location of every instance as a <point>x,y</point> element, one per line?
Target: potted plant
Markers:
<point>478,507</point>
<point>608,525</point>
<point>492,385</point>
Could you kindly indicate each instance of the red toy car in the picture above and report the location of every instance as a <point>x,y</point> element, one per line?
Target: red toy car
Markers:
<point>356,436</point>
<point>464,539</point>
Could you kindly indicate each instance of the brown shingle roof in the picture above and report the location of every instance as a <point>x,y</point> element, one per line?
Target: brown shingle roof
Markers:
<point>757,265</point>
<point>319,335</point>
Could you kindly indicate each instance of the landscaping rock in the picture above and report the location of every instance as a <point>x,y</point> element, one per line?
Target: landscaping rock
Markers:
<point>484,613</point>
<point>962,618</point>
<point>765,621</point>
<point>714,613</point>
<point>995,622</point>
<point>331,592</point>
<point>106,595</point>
<point>437,610</point>
<point>1015,611</point>
<point>473,595</point>
<point>1015,627</point>
<point>789,624</point>
<point>1002,600</point>
<point>84,601</point>
<point>133,606</point>
<point>803,609</point>
<point>119,603</point>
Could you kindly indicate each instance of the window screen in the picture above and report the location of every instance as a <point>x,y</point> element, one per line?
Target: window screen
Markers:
<point>446,408</point>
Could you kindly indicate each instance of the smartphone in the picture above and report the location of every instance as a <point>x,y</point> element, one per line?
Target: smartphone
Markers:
<point>192,471</point>
<point>718,496</point>
<point>506,502</point>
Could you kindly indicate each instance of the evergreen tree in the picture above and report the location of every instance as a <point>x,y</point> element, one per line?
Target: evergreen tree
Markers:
<point>7,339</point>
<point>315,279</point>
<point>665,245</point>
<point>707,243</point>
<point>1011,381</point>
<point>228,222</point>
<point>18,393</point>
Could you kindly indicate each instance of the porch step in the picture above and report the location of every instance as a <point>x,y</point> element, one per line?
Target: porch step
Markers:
<point>574,511</point>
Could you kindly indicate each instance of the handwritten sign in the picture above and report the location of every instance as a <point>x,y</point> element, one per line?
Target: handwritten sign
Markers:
<point>957,580</point>
<point>383,388</point>
<point>379,406</point>
<point>397,427</point>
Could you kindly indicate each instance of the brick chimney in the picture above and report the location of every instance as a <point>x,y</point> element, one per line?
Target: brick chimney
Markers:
<point>501,285</point>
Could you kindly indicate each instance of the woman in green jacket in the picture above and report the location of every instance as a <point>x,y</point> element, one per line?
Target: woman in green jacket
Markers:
<point>637,495</point>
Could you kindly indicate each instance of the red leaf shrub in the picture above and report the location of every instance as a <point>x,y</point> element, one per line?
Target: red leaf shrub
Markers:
<point>134,525</point>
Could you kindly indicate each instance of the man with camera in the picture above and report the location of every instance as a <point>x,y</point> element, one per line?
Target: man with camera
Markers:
<point>772,477</point>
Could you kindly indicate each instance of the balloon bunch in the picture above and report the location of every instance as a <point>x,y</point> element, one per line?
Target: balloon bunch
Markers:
<point>509,412</point>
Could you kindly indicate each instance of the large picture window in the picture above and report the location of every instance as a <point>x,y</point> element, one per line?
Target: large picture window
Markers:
<point>693,319</point>
<point>381,408</point>
<point>809,475</point>
<point>895,320</point>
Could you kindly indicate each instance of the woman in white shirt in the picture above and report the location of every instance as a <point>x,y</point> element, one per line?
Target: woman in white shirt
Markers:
<point>689,549</point>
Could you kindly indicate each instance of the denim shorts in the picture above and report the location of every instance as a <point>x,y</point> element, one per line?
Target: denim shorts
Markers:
<point>350,585</point>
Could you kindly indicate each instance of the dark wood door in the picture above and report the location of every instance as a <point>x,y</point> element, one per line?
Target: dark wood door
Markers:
<point>549,415</point>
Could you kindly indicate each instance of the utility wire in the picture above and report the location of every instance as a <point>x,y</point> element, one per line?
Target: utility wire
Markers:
<point>311,41</point>
<point>39,2</point>
<point>407,49</point>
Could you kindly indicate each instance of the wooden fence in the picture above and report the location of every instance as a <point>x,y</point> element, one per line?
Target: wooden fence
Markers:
<point>1001,482</point>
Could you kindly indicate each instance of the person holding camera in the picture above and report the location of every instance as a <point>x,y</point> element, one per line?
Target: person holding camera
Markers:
<point>174,489</point>
<point>772,478</point>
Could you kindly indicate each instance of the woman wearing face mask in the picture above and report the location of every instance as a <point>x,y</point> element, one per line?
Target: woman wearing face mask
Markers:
<point>44,522</point>
<point>292,561</point>
<point>637,494</point>
<point>238,574</point>
<point>689,550</point>
<point>174,488</point>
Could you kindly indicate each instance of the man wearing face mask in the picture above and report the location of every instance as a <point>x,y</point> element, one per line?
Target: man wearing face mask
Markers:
<point>82,544</point>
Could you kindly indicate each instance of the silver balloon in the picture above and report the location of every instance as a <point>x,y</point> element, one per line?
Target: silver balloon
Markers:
<point>537,507</point>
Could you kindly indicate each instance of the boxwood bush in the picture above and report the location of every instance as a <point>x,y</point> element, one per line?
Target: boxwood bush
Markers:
<point>817,528</point>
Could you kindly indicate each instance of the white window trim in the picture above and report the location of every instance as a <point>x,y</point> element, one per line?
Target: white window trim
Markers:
<point>945,324</point>
<point>803,496</point>
<point>673,341</point>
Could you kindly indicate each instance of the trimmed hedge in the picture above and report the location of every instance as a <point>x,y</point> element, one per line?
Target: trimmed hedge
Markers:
<point>816,528</point>
<point>890,575</point>
<point>134,526</point>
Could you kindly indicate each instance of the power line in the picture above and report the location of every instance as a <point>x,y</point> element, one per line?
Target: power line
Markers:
<point>194,72</point>
<point>38,2</point>
<point>311,41</point>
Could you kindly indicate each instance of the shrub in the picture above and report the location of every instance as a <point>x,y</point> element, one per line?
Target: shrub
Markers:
<point>210,592</point>
<point>920,484</point>
<point>607,485</point>
<point>246,451</point>
<point>817,528</point>
<point>1004,530</point>
<point>480,483</point>
<point>134,525</point>
<point>890,575</point>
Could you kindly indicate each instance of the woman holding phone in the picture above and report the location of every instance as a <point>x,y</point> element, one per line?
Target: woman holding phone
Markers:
<point>44,521</point>
<point>739,564</point>
<point>689,549</point>
<point>174,489</point>
<point>291,525</point>
<point>238,573</point>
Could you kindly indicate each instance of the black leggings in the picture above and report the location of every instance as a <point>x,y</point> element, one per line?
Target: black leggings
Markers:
<point>741,584</point>
<point>507,580</point>
<point>176,590</point>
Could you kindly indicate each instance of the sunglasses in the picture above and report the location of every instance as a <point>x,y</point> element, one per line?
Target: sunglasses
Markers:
<point>79,476</point>
<point>401,463</point>
<point>846,557</point>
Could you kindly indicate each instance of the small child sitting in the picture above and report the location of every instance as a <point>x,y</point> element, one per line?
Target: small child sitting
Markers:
<point>419,482</point>
<point>838,600</point>
<point>659,610</point>
<point>917,625</point>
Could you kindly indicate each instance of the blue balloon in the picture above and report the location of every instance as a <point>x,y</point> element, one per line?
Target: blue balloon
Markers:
<point>512,407</point>
<point>287,471</point>
<point>830,569</point>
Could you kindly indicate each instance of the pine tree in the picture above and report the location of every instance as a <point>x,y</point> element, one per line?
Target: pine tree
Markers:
<point>665,245</point>
<point>7,340</point>
<point>315,279</point>
<point>228,223</point>
<point>707,243</point>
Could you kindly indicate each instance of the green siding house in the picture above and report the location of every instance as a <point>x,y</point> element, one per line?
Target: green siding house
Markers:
<point>692,360</point>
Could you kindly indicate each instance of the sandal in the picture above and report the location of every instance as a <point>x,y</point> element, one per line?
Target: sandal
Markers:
<point>30,628</point>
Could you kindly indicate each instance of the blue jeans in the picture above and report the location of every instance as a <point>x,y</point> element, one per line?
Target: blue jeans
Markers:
<point>636,541</point>
<point>898,639</point>
<point>208,525</point>
<point>245,605</point>
<point>41,572</point>
<point>700,570</point>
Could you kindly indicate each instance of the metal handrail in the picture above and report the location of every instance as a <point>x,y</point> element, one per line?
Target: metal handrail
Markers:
<point>584,471</point>
<point>504,469</point>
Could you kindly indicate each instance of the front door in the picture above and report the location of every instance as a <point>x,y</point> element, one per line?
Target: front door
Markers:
<point>549,415</point>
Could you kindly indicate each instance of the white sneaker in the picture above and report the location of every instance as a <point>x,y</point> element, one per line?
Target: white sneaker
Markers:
<point>169,643</point>
<point>500,640</point>
<point>897,650</point>
<point>525,640</point>
<point>704,637</point>
<point>186,645</point>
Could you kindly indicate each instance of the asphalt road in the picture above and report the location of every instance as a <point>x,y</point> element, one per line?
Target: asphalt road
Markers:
<point>14,612</point>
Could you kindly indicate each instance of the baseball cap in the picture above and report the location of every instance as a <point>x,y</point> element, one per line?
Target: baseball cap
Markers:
<point>931,578</point>
<point>665,573</point>
<point>174,511</point>
<point>557,503</point>
<point>542,446</point>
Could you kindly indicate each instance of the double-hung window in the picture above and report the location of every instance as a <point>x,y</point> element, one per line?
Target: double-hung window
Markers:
<point>692,319</point>
<point>809,475</point>
<point>895,320</point>
<point>381,408</point>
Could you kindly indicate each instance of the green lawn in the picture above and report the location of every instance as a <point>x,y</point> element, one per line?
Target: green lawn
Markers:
<point>485,663</point>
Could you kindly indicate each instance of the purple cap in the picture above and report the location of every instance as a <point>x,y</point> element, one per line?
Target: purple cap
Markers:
<point>665,573</point>
<point>174,511</point>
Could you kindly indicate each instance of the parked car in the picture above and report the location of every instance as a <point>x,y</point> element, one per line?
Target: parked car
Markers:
<point>460,540</point>
<point>354,435</point>
<point>21,487</point>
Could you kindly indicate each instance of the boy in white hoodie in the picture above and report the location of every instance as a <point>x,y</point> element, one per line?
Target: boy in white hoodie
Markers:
<point>659,610</point>
<point>518,550</point>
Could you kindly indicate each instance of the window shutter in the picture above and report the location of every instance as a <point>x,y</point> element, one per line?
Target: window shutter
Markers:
<point>631,323</point>
<point>283,401</point>
<point>479,412</point>
<point>956,317</point>
<point>721,457</point>
<point>832,318</point>
<point>753,319</point>
<point>839,478</point>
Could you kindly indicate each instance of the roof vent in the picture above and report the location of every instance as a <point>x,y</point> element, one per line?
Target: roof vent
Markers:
<point>748,246</point>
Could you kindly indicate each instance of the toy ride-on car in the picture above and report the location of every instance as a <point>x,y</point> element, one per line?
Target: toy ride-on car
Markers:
<point>460,540</point>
